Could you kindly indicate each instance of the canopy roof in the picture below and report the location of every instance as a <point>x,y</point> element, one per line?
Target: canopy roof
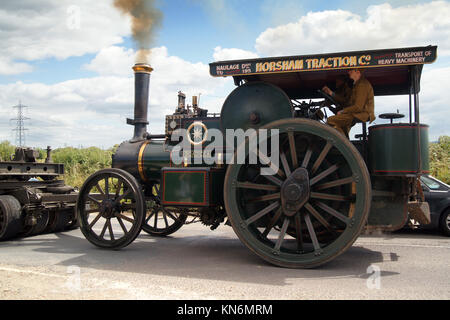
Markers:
<point>390,71</point>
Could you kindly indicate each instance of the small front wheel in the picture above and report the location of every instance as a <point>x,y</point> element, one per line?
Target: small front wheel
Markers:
<point>111,208</point>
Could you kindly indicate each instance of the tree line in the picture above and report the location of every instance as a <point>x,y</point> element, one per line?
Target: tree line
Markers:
<point>80,163</point>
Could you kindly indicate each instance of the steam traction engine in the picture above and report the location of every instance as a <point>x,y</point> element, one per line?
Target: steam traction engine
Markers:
<point>319,199</point>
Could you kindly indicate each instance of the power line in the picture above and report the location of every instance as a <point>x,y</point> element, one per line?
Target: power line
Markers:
<point>20,124</point>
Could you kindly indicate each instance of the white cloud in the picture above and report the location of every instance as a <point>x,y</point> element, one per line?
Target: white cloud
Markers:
<point>383,27</point>
<point>58,29</point>
<point>223,54</point>
<point>112,60</point>
<point>339,30</point>
<point>92,111</point>
<point>8,67</point>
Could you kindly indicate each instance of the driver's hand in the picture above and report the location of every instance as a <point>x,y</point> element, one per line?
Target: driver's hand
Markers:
<point>327,90</point>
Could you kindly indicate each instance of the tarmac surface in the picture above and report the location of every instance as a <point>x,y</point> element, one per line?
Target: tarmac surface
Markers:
<point>197,263</point>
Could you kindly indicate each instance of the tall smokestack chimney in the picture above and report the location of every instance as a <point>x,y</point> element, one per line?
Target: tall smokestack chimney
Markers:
<point>141,87</point>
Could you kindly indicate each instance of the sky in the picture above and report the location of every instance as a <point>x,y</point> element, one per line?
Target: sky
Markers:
<point>70,61</point>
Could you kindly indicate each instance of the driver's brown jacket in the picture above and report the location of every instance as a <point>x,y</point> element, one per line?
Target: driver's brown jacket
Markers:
<point>342,95</point>
<point>362,101</point>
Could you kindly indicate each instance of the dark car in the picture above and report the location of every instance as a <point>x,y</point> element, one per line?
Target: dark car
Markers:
<point>437,194</point>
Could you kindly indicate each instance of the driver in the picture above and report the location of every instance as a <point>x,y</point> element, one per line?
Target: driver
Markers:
<point>361,106</point>
<point>341,95</point>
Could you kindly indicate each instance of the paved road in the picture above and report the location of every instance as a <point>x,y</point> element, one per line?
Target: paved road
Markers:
<point>196,263</point>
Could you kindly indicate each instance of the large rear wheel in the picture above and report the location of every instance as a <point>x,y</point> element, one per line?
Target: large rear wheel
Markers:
<point>312,209</point>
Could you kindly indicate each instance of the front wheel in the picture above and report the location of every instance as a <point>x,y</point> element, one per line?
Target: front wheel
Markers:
<point>312,209</point>
<point>111,208</point>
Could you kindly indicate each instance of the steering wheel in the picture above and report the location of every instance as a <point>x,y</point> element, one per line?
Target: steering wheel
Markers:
<point>330,98</point>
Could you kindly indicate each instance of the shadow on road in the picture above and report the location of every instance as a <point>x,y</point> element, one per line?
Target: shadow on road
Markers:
<point>210,256</point>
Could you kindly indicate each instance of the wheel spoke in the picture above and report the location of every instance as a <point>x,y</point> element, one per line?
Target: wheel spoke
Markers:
<point>172,216</point>
<point>124,195</point>
<point>250,185</point>
<point>298,231</point>
<point>334,183</point>
<point>95,220</point>
<point>285,164</point>
<point>307,158</point>
<point>91,211</point>
<point>122,225</point>
<point>267,197</point>
<point>267,160</point>
<point>124,217</point>
<point>327,196</point>
<point>119,186</point>
<point>102,234</point>
<point>100,190</point>
<point>323,174</point>
<point>262,213</point>
<point>311,232</point>
<point>156,220</point>
<point>321,157</point>
<point>165,219</point>
<point>90,197</point>
<point>333,212</point>
<point>107,187</point>
<point>282,234</point>
<point>293,150</point>
<point>272,222</point>
<point>273,179</point>
<point>149,216</point>
<point>111,233</point>
<point>319,217</point>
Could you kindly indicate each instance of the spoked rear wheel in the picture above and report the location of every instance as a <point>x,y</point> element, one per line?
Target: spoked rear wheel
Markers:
<point>110,208</point>
<point>160,220</point>
<point>312,209</point>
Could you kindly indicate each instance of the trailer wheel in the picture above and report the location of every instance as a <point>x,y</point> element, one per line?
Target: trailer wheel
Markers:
<point>312,209</point>
<point>58,220</point>
<point>110,208</point>
<point>39,227</point>
<point>159,220</point>
<point>10,221</point>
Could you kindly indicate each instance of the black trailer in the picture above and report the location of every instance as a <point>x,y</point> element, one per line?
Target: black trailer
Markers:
<point>32,198</point>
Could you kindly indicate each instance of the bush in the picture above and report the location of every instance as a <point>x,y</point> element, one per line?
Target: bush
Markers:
<point>79,163</point>
<point>440,159</point>
<point>6,150</point>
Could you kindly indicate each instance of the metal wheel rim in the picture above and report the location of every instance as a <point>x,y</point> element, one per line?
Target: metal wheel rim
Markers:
<point>117,203</point>
<point>273,251</point>
<point>158,215</point>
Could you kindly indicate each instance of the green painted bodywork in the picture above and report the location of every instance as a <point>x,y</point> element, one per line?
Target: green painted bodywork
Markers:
<point>185,187</point>
<point>155,157</point>
<point>266,101</point>
<point>389,199</point>
<point>198,187</point>
<point>156,154</point>
<point>393,149</point>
